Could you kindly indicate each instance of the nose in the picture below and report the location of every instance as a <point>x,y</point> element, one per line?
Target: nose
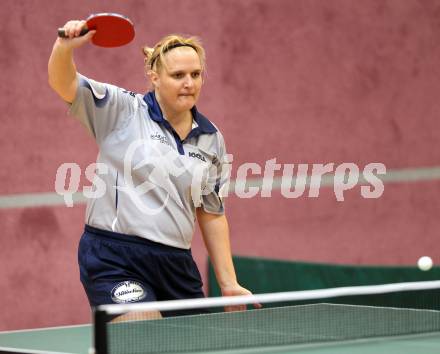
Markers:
<point>189,82</point>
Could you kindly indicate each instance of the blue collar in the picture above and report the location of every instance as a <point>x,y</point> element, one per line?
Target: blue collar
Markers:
<point>204,125</point>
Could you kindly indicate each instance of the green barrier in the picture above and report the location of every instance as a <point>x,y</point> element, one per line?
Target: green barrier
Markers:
<point>262,275</point>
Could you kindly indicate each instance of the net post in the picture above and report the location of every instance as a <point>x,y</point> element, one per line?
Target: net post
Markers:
<point>100,319</point>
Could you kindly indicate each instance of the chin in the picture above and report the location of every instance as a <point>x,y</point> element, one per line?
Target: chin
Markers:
<point>187,105</point>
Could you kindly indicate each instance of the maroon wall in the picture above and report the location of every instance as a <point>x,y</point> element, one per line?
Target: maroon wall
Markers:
<point>302,81</point>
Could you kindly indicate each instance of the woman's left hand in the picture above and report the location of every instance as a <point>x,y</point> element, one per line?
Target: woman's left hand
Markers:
<point>235,290</point>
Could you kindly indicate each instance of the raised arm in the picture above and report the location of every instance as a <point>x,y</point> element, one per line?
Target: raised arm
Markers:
<point>61,67</point>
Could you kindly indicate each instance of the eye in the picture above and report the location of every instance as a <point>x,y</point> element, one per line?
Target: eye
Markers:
<point>178,75</point>
<point>195,75</point>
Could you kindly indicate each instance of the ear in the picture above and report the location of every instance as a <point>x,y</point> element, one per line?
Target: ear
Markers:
<point>154,78</point>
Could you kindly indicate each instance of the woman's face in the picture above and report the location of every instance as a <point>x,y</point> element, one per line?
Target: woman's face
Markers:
<point>178,82</point>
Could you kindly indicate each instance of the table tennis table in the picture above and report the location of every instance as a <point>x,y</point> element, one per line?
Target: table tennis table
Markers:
<point>313,329</point>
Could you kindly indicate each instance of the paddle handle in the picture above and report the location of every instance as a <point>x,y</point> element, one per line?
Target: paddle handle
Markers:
<point>62,32</point>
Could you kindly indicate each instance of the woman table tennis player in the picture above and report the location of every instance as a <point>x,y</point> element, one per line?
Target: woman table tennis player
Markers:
<point>136,246</point>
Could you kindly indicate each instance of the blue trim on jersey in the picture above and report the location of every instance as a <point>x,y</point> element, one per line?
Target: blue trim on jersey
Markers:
<point>99,102</point>
<point>116,187</point>
<point>204,125</point>
<point>179,143</point>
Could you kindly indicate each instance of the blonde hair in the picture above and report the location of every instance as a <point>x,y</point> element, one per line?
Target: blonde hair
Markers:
<point>154,57</point>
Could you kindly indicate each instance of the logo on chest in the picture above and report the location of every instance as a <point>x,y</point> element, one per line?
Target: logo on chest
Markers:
<point>161,138</point>
<point>197,156</point>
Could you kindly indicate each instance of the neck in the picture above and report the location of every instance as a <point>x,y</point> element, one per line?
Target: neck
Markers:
<point>175,118</point>
<point>180,121</point>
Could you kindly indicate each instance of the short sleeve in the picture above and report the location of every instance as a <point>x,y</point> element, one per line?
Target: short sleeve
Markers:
<point>100,107</point>
<point>218,180</point>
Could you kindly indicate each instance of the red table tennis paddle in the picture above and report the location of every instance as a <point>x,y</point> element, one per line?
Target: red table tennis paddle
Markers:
<point>112,30</point>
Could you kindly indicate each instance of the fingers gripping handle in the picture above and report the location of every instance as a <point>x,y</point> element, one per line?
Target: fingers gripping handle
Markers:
<point>62,32</point>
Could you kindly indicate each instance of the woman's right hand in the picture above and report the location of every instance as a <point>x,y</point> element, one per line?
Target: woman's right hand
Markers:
<point>62,72</point>
<point>73,38</point>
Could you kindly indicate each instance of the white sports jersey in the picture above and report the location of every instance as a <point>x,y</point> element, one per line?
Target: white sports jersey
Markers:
<point>153,180</point>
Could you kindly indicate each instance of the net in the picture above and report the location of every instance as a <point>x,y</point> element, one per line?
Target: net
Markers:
<point>288,318</point>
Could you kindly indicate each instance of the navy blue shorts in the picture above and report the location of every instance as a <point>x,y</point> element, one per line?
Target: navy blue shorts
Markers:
<point>118,268</point>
